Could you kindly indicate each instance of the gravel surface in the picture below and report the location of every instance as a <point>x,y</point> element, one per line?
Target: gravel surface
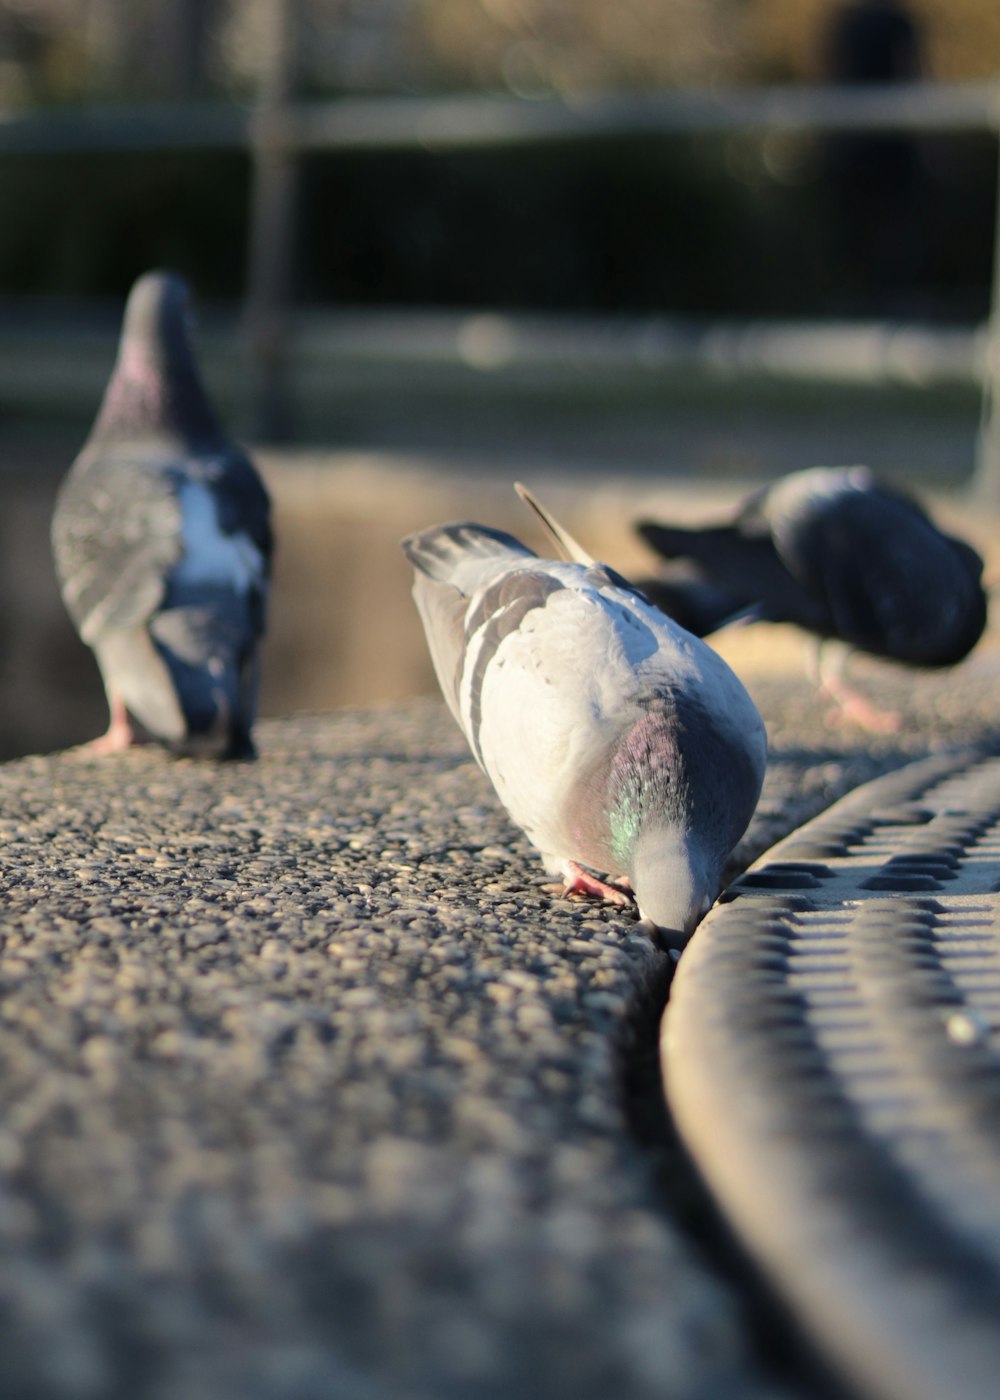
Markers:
<point>310,1087</point>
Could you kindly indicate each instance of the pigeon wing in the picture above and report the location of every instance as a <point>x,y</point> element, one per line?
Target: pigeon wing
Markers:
<point>455,566</point>
<point>558,693</point>
<point>116,535</point>
<point>550,681</point>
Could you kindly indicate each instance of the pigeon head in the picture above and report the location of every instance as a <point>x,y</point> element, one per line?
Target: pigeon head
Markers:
<point>158,318</point>
<point>673,882</point>
<point>155,386</point>
<point>670,841</point>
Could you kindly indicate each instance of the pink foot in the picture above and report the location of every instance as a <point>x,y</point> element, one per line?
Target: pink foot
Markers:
<point>120,734</point>
<point>852,708</point>
<point>580,882</point>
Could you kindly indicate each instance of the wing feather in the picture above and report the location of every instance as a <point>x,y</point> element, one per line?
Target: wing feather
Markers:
<point>116,534</point>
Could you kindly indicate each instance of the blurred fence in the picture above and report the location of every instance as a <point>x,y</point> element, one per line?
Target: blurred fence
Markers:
<point>278,130</point>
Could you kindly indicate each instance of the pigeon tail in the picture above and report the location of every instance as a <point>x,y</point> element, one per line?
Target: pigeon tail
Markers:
<point>674,541</point>
<point>700,608</point>
<point>570,548</point>
<point>721,549</point>
<point>445,552</point>
<point>216,716</point>
<point>209,649</point>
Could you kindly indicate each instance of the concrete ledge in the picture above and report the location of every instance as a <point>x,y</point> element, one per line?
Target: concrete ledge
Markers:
<point>308,1088</point>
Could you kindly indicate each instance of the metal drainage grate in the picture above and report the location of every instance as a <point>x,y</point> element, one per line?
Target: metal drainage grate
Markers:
<point>832,1057</point>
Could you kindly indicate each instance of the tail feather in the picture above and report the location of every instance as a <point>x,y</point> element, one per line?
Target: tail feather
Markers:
<point>444,550</point>
<point>211,656</point>
<point>699,607</point>
<point>676,542</point>
<point>748,567</point>
<point>570,548</point>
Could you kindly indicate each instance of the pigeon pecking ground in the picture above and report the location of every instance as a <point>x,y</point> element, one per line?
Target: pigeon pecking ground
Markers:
<point>309,1088</point>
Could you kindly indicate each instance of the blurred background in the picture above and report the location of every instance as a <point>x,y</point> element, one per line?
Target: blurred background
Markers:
<point>642,255</point>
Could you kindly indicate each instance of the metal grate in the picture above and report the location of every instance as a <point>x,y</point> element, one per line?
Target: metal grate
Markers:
<point>832,1055</point>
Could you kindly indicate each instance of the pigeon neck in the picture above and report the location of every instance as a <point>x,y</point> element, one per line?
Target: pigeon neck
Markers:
<point>648,780</point>
<point>153,391</point>
<point>653,821</point>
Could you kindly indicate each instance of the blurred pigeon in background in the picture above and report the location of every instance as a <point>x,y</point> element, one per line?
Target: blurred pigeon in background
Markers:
<point>832,551</point>
<point>162,543</point>
<point>620,743</point>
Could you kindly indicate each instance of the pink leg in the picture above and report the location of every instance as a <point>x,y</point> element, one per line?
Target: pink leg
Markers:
<point>120,734</point>
<point>850,706</point>
<point>579,882</point>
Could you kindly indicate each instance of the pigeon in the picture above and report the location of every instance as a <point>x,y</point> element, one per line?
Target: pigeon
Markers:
<point>622,745</point>
<point>682,592</point>
<point>856,563</point>
<point>162,544</point>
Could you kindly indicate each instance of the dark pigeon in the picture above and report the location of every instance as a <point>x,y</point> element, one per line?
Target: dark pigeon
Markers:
<point>621,744</point>
<point>683,593</point>
<point>162,544</point>
<point>834,552</point>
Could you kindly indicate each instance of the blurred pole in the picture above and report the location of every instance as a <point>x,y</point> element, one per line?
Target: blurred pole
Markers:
<point>986,483</point>
<point>186,27</point>
<point>272,226</point>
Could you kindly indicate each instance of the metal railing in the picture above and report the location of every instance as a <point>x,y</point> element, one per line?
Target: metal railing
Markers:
<point>277,130</point>
<point>357,123</point>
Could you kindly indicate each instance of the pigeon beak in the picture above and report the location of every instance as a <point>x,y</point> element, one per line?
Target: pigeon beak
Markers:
<point>669,940</point>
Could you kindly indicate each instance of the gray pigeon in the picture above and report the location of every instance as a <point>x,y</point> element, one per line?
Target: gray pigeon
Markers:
<point>162,543</point>
<point>830,549</point>
<point>620,743</point>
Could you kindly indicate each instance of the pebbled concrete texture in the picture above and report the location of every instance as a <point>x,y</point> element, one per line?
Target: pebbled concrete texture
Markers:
<point>309,1087</point>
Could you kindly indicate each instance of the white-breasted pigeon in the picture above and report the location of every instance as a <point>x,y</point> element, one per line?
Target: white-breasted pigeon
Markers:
<point>622,745</point>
